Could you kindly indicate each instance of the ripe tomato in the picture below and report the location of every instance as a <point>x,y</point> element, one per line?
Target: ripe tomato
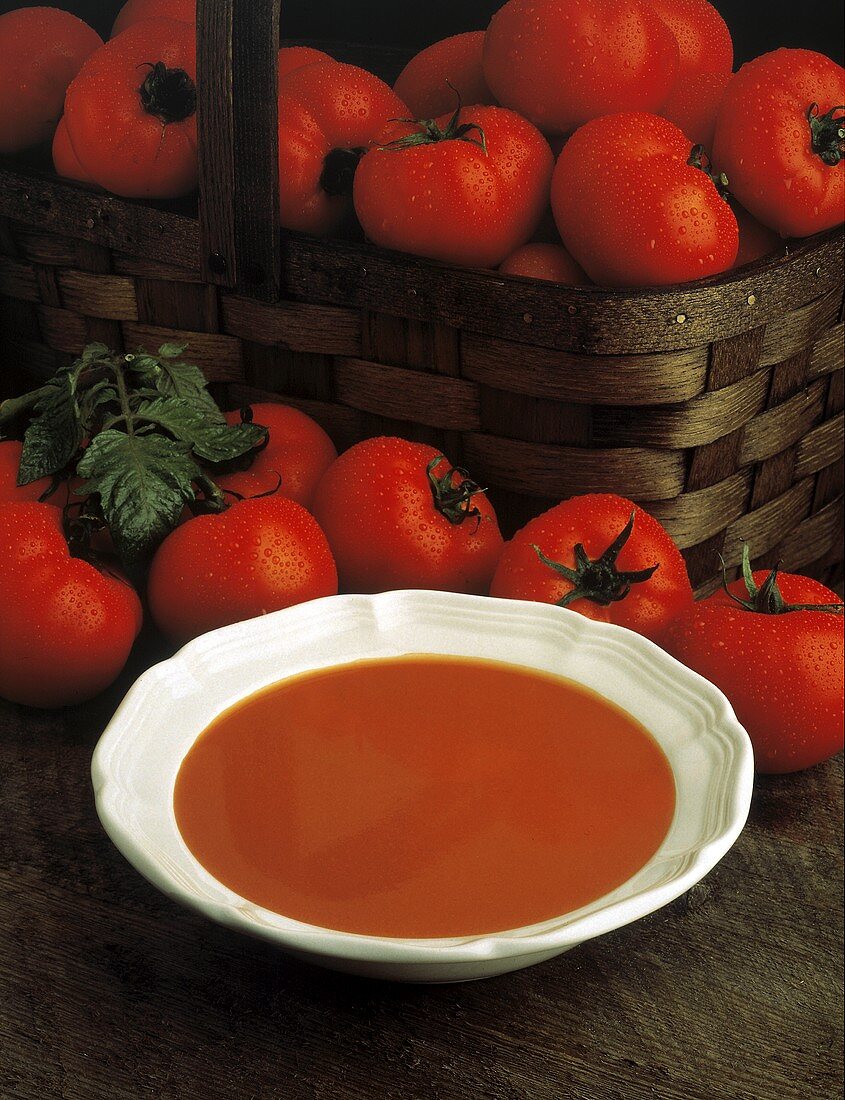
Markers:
<point>431,79</point>
<point>66,628</point>
<point>131,112</point>
<point>778,139</point>
<point>41,51</point>
<point>257,556</point>
<point>633,211</point>
<point>328,114</point>
<point>65,160</point>
<point>297,454</point>
<point>545,261</point>
<point>295,57</point>
<point>704,66</point>
<point>467,188</point>
<point>600,555</point>
<point>755,239</point>
<point>134,11</point>
<point>397,515</point>
<point>562,62</point>
<point>10,460</point>
<point>781,669</point>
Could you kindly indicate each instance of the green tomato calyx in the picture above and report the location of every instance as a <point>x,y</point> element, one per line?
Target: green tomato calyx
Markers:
<point>454,501</point>
<point>169,94</point>
<point>429,133</point>
<point>598,580</point>
<point>827,134</point>
<point>767,599</point>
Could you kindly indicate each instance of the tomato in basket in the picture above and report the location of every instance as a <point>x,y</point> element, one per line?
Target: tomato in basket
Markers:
<point>135,11</point>
<point>41,51</point>
<point>130,114</point>
<point>430,80</point>
<point>550,262</point>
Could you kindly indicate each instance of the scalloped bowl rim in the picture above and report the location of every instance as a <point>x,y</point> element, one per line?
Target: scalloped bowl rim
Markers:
<point>174,870</point>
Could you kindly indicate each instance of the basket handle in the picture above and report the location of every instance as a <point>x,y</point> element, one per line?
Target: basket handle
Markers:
<point>237,120</point>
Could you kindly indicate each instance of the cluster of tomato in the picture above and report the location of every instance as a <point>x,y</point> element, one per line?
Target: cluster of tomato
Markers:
<point>635,97</point>
<point>389,514</point>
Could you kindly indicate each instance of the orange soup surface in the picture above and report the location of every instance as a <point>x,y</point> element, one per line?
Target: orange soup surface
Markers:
<point>424,797</point>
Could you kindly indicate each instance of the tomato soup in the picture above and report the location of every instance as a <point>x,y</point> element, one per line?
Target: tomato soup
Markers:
<point>424,796</point>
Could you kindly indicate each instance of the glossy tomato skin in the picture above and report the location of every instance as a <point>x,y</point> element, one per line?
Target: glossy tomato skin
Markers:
<point>323,107</point>
<point>256,557</point>
<point>550,262</point>
<point>755,239</point>
<point>297,454</point>
<point>424,83</point>
<point>763,141</point>
<point>135,11</point>
<point>296,57</point>
<point>65,160</point>
<point>66,629</point>
<point>448,200</point>
<point>41,51</point>
<point>10,460</point>
<point>705,61</point>
<point>562,62</point>
<point>118,143</point>
<point>633,212</point>
<point>783,674</point>
<point>595,520</point>
<point>377,508</point>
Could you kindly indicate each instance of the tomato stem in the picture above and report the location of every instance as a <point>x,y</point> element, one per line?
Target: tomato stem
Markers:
<point>169,94</point>
<point>428,132</point>
<point>451,500</point>
<point>827,134</point>
<point>339,166</point>
<point>767,599</point>
<point>700,159</point>
<point>598,580</point>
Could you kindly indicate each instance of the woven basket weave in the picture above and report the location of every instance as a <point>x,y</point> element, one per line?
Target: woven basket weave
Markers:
<point>717,405</point>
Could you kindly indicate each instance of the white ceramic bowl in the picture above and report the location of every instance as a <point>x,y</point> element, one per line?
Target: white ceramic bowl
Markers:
<point>136,761</point>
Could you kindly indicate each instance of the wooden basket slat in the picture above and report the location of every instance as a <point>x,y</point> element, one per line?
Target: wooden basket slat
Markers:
<point>61,329</point>
<point>778,428</point>
<point>18,280</point>
<point>610,380</point>
<point>692,518</point>
<point>821,446</point>
<point>790,332</point>
<point>111,297</point>
<point>437,402</point>
<point>219,357</point>
<point>538,469</point>
<point>814,538</point>
<point>827,352</point>
<point>296,326</point>
<point>763,528</point>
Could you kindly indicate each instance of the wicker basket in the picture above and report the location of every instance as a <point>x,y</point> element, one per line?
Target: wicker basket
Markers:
<point>716,405</point>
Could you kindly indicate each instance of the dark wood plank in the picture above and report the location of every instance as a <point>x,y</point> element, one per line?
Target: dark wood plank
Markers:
<point>107,989</point>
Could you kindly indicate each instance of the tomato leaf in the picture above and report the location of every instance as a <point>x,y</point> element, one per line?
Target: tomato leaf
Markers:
<point>172,377</point>
<point>54,433</point>
<point>144,481</point>
<point>188,421</point>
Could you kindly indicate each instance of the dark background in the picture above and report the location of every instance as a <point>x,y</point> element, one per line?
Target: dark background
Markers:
<point>756,25</point>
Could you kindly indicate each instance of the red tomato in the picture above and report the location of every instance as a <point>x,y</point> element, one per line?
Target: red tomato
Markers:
<point>562,62</point>
<point>397,515</point>
<point>545,261</point>
<point>633,211</point>
<point>66,628</point>
<point>295,57</point>
<point>781,670</point>
<point>10,460</point>
<point>424,83</point>
<point>134,11</point>
<point>328,114</point>
<point>467,188</point>
<point>41,51</point>
<point>296,456</point>
<point>705,60</point>
<point>625,565</point>
<point>755,239</point>
<point>258,556</point>
<point>131,112</point>
<point>65,160</point>
<point>778,139</point>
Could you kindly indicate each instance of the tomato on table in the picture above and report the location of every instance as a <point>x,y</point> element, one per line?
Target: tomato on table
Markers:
<point>41,51</point>
<point>398,515</point>
<point>562,62</point>
<point>130,114</point>
<point>66,627</point>
<point>257,556</point>
<point>432,78</point>
<point>634,207</point>
<point>779,140</point>
<point>466,188</point>
<point>297,454</point>
<point>773,643</point>
<point>602,556</point>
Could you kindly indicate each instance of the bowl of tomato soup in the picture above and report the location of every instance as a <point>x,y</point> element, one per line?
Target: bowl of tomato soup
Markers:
<point>423,786</point>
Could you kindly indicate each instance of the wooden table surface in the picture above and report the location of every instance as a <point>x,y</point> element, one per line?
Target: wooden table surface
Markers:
<point>109,990</point>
